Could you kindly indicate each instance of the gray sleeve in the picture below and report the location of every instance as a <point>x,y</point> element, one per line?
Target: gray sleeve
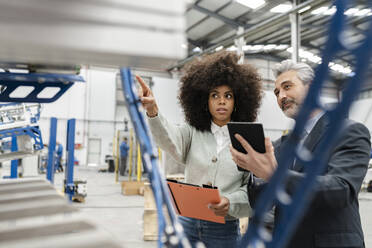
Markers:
<point>175,140</point>
<point>239,204</point>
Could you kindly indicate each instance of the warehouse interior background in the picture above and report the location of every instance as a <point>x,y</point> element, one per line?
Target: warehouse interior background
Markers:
<point>156,40</point>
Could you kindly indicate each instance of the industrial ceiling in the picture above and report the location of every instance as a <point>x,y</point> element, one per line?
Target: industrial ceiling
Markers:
<point>266,25</point>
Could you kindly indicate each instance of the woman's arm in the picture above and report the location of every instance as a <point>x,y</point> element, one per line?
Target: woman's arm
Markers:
<point>174,140</point>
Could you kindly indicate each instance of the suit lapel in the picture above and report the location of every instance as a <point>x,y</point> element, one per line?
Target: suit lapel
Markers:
<point>313,138</point>
<point>279,144</point>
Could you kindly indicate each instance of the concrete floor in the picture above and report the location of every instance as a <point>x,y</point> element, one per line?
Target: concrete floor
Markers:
<point>365,208</point>
<point>121,216</point>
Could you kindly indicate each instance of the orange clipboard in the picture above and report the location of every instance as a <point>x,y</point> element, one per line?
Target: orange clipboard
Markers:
<point>192,201</point>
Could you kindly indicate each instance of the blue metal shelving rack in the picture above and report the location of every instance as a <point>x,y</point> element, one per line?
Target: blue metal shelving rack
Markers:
<point>36,83</point>
<point>69,173</point>
<point>51,149</point>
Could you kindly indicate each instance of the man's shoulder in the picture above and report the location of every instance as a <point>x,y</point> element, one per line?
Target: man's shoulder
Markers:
<point>351,125</point>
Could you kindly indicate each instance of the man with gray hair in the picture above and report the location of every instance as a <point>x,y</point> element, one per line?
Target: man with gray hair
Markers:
<point>290,74</point>
<point>332,219</point>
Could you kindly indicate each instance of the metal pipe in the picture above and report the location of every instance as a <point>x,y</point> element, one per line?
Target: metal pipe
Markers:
<point>52,149</point>
<point>295,33</point>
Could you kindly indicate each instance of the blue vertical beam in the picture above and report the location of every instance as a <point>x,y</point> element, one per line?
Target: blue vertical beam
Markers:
<point>51,149</point>
<point>14,163</point>
<point>69,174</point>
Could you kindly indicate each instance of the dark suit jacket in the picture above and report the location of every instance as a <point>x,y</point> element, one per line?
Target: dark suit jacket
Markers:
<point>332,218</point>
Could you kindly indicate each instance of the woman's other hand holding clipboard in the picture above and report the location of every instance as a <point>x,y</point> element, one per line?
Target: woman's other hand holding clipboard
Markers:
<point>221,208</point>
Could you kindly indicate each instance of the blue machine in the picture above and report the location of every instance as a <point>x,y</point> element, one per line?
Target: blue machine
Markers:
<point>293,205</point>
<point>37,83</point>
<point>32,131</point>
<point>70,187</point>
<point>51,149</point>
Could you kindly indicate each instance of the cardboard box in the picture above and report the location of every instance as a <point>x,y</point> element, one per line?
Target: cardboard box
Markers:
<point>131,187</point>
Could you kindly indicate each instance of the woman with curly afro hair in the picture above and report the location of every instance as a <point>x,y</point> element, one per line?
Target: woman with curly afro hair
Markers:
<point>214,90</point>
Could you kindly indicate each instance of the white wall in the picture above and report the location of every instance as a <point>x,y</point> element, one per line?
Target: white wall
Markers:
<point>166,91</point>
<point>361,111</point>
<point>92,104</point>
<point>272,118</point>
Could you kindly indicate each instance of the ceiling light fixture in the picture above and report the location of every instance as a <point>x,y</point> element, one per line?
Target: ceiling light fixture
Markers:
<point>330,11</point>
<point>309,56</point>
<point>363,12</point>
<point>232,49</point>
<point>219,48</point>
<point>319,11</point>
<point>197,50</point>
<point>281,8</point>
<point>281,47</point>
<point>251,4</point>
<point>304,9</point>
<point>351,11</point>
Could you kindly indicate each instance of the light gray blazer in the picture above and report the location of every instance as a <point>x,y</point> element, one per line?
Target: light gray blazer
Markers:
<point>198,152</point>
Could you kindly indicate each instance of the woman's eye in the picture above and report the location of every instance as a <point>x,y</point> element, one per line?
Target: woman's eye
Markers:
<point>229,96</point>
<point>214,96</point>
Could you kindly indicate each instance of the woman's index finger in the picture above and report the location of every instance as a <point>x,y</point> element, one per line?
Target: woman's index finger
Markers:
<point>142,83</point>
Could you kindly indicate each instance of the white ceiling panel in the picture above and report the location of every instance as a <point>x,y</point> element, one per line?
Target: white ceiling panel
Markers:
<point>204,28</point>
<point>193,16</point>
<point>212,5</point>
<point>234,10</point>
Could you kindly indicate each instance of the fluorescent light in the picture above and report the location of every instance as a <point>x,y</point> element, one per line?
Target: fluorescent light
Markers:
<point>281,47</point>
<point>219,48</point>
<point>304,9</point>
<point>319,11</point>
<point>330,11</point>
<point>253,4</point>
<point>309,56</point>
<point>247,47</point>
<point>281,8</point>
<point>232,49</point>
<point>363,12</point>
<point>16,70</point>
<point>351,11</point>
<point>341,68</point>
<point>257,47</point>
<point>196,50</point>
<point>269,47</point>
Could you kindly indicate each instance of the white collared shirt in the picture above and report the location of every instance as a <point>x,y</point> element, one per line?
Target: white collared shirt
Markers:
<point>310,125</point>
<point>221,135</point>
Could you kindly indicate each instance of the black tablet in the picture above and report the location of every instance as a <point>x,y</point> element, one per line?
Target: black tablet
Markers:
<point>251,132</point>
